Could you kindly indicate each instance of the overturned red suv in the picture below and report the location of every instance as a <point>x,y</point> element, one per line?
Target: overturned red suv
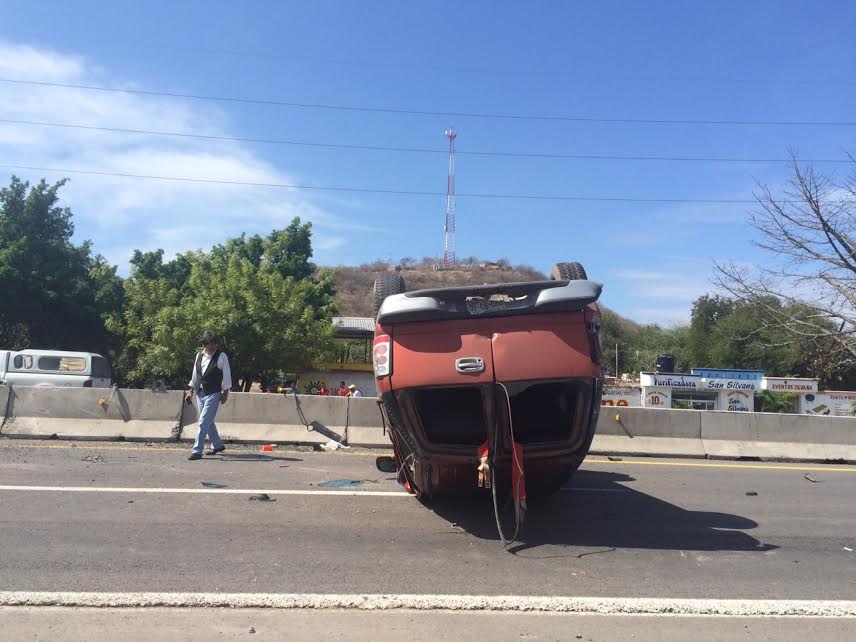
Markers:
<point>489,385</point>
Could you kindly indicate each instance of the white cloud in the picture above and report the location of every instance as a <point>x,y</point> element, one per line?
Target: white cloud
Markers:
<point>664,296</point>
<point>662,316</point>
<point>675,286</point>
<point>119,214</point>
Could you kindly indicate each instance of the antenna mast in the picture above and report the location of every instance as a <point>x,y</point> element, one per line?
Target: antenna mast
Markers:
<point>449,227</point>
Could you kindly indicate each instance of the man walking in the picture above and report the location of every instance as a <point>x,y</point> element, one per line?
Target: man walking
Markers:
<point>211,381</point>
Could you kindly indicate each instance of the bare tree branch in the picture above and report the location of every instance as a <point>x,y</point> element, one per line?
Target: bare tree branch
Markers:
<point>809,285</point>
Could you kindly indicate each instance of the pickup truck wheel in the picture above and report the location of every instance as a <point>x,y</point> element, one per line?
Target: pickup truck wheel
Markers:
<point>568,272</point>
<point>386,285</point>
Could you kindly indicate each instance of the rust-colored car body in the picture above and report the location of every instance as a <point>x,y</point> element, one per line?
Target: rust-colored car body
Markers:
<point>450,362</point>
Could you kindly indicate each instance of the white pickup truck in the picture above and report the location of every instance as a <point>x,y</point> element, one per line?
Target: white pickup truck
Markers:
<point>54,368</point>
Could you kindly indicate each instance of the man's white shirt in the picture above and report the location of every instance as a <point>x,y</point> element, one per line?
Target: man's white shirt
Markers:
<point>222,363</point>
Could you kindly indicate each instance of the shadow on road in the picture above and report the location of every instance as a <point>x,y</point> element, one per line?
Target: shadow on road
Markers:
<point>605,514</point>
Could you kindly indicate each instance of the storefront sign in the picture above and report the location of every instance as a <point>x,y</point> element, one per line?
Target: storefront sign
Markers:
<point>739,401</point>
<point>679,381</point>
<point>729,384</point>
<point>830,403</point>
<point>625,397</point>
<point>657,399</point>
<point>775,384</point>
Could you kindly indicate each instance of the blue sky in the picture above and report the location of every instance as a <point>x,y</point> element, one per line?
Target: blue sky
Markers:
<point>789,61</point>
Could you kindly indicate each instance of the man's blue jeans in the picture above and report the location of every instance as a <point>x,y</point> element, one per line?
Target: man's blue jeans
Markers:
<point>208,405</point>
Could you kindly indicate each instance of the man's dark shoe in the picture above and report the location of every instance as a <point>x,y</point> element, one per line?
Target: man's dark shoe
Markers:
<point>195,456</point>
<point>215,451</point>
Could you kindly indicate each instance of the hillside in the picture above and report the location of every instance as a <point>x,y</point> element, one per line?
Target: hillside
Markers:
<point>354,284</point>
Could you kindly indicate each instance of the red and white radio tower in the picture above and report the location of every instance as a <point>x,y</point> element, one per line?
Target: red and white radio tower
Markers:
<point>449,228</point>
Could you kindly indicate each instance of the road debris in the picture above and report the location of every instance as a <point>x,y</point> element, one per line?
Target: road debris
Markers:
<point>386,464</point>
<point>847,548</point>
<point>751,493</point>
<point>347,484</point>
<point>264,497</point>
<point>612,458</point>
<point>95,459</point>
<point>810,478</point>
<point>206,484</point>
<point>252,630</point>
<point>333,445</point>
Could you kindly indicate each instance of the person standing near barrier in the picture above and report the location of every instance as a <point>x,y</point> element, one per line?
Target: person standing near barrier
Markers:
<point>211,382</point>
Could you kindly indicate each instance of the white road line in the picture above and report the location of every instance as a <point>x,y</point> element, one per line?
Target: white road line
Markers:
<point>594,605</point>
<point>206,491</point>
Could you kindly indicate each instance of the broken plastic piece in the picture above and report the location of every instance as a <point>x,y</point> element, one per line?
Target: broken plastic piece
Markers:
<point>268,448</point>
<point>484,467</point>
<point>264,497</point>
<point>332,445</point>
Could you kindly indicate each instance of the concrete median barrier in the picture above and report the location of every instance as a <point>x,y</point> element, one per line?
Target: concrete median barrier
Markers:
<point>91,413</point>
<point>5,391</point>
<point>300,419</point>
<point>641,431</point>
<point>731,435</point>
<point>83,413</point>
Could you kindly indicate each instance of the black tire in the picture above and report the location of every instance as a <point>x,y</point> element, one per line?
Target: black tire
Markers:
<point>568,272</point>
<point>386,285</point>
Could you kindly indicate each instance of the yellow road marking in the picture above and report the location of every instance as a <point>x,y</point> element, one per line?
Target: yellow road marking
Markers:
<point>384,453</point>
<point>244,450</point>
<point>716,465</point>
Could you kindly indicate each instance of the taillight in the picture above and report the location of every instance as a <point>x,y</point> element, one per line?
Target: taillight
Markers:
<point>382,356</point>
<point>87,383</point>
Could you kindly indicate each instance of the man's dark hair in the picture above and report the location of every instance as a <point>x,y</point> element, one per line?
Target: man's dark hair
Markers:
<point>209,337</point>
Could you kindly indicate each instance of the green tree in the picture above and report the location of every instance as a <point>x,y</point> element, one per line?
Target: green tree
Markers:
<point>707,312</point>
<point>57,292</point>
<point>258,293</point>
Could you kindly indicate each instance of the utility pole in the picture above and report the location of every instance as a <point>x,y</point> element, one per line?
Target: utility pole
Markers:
<point>449,227</point>
<point>617,375</point>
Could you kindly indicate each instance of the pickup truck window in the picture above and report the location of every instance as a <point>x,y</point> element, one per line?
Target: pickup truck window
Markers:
<point>22,362</point>
<point>100,368</point>
<point>62,364</point>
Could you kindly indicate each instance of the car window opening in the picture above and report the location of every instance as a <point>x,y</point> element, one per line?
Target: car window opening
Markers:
<point>453,416</point>
<point>547,411</point>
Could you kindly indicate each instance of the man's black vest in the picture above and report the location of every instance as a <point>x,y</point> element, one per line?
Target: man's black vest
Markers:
<point>212,378</point>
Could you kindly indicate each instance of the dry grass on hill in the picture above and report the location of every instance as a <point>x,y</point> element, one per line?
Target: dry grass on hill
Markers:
<point>354,284</point>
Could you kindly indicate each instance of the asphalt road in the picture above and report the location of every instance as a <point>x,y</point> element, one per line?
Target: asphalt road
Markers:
<point>640,528</point>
